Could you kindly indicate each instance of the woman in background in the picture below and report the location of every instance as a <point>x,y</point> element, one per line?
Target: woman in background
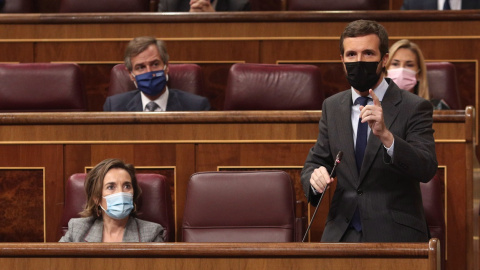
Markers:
<point>406,67</point>
<point>109,215</point>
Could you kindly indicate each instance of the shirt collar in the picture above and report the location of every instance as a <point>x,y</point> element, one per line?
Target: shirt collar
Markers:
<point>161,100</point>
<point>379,91</point>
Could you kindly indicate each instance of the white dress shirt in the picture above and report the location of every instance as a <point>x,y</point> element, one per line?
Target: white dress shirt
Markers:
<point>454,4</point>
<point>379,92</point>
<point>161,101</point>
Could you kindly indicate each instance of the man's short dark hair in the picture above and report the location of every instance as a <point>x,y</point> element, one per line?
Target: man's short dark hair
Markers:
<point>362,28</point>
<point>140,44</point>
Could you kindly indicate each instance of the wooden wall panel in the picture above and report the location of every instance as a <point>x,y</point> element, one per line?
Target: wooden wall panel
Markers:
<point>80,51</point>
<point>78,156</point>
<point>316,50</point>
<point>448,153</point>
<point>22,194</point>
<point>50,159</point>
<point>17,52</point>
<point>214,51</point>
<point>186,166</point>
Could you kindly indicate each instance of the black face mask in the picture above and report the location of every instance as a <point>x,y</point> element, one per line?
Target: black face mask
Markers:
<point>362,75</point>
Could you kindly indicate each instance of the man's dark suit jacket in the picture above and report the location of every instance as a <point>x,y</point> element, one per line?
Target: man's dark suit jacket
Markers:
<point>178,100</point>
<point>184,5</point>
<point>433,4</point>
<point>387,190</point>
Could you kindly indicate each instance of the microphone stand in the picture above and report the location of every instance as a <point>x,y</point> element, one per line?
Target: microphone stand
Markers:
<point>337,161</point>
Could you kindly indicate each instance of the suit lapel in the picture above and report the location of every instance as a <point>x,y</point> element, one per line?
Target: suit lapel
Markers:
<point>135,104</point>
<point>131,233</point>
<point>390,112</point>
<point>345,133</point>
<point>173,104</point>
<point>95,234</point>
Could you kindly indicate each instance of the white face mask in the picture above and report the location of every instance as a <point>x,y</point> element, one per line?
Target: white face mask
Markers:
<point>405,78</point>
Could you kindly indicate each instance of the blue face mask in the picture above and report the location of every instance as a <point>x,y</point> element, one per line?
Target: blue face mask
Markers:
<point>151,83</point>
<point>119,205</point>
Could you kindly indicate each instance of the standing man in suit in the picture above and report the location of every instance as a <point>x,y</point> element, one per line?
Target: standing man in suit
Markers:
<point>146,60</point>
<point>387,143</point>
<point>203,5</point>
<point>440,4</point>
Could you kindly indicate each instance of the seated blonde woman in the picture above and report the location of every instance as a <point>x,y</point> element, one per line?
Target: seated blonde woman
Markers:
<point>109,214</point>
<point>406,67</point>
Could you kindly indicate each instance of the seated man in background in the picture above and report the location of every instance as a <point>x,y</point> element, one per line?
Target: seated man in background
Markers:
<point>203,5</point>
<point>441,4</point>
<point>147,62</point>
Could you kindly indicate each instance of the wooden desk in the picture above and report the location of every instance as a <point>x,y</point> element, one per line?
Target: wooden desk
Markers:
<point>41,150</point>
<point>115,256</point>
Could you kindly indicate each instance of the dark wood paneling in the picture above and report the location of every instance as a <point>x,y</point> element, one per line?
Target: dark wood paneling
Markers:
<point>79,51</point>
<point>49,157</point>
<point>214,51</point>
<point>22,197</point>
<point>449,155</point>
<point>186,166</point>
<point>17,52</point>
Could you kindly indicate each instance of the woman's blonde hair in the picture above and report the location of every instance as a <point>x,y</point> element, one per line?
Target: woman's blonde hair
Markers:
<point>94,185</point>
<point>422,72</point>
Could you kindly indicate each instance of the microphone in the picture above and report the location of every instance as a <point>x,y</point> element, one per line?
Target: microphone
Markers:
<point>337,161</point>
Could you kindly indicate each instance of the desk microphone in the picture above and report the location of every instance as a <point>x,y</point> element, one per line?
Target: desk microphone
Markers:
<point>337,161</point>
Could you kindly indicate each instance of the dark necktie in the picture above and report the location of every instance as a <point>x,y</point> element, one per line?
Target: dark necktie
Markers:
<point>362,130</point>
<point>151,106</point>
<point>360,146</point>
<point>446,5</point>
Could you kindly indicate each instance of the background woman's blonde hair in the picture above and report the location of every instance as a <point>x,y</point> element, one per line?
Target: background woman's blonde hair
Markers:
<point>422,72</point>
<point>94,185</point>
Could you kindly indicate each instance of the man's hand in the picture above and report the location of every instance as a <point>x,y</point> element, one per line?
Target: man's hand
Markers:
<point>373,114</point>
<point>201,6</point>
<point>320,179</point>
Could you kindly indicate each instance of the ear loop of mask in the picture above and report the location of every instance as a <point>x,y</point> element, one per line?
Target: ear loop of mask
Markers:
<point>135,80</point>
